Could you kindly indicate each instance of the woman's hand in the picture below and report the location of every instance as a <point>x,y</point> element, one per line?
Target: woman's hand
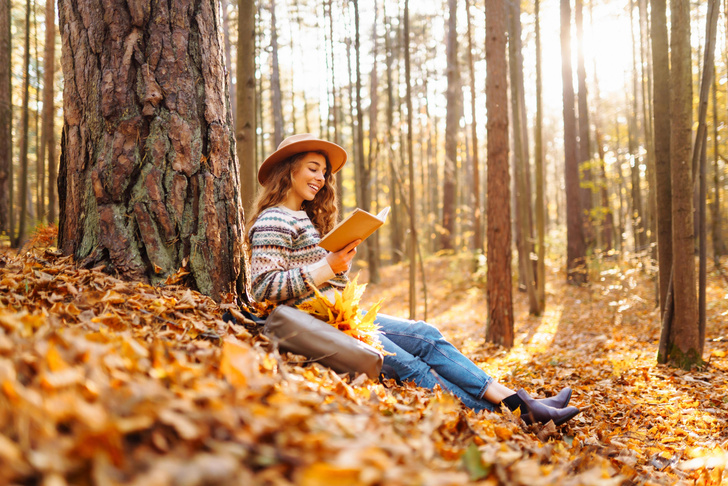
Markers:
<point>341,260</point>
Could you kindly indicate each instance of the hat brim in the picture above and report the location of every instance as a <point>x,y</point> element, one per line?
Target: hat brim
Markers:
<point>335,155</point>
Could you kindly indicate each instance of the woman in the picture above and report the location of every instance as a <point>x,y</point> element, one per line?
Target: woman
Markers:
<point>295,208</point>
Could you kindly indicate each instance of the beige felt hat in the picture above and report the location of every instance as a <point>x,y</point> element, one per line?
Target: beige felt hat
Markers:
<point>296,144</point>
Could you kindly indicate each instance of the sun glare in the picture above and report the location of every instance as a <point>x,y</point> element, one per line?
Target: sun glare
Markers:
<point>607,48</point>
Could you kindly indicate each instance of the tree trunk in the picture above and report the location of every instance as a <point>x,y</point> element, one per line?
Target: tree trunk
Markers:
<point>24,205</point>
<point>395,234</point>
<point>148,174</point>
<point>6,121</point>
<point>275,80</point>
<point>225,6</point>
<point>477,242</point>
<point>538,156</point>
<point>48,138</point>
<point>411,171</point>
<point>661,111</point>
<point>718,244</point>
<point>451,131</point>
<point>646,76</point>
<point>684,347</point>
<point>363,190</point>
<point>520,165</point>
<point>586,182</point>
<point>40,172</point>
<point>638,216</point>
<point>700,162</point>
<point>373,250</point>
<point>335,105</point>
<point>575,249</point>
<point>499,328</point>
<point>246,112</point>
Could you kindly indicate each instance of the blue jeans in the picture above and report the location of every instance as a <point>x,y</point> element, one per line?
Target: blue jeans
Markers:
<point>420,349</point>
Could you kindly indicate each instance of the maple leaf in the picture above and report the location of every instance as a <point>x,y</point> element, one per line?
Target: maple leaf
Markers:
<point>344,313</point>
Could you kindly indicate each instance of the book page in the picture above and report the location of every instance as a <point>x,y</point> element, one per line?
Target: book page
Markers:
<point>358,225</point>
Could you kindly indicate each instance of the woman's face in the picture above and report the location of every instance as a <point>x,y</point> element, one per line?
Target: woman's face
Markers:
<point>307,179</point>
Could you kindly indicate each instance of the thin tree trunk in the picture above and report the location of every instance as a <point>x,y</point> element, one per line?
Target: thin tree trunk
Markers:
<point>246,109</point>
<point>7,223</point>
<point>575,249</point>
<point>335,103</point>
<point>685,347</point>
<point>411,171</point>
<point>20,238</point>
<point>48,136</point>
<point>148,173</point>
<point>718,245</point>
<point>452,123</point>
<point>225,5</point>
<point>584,143</point>
<point>395,241</point>
<point>661,113</point>
<point>522,195</point>
<point>40,172</point>
<point>538,156</point>
<point>646,86</point>
<point>638,216</point>
<point>477,242</point>
<point>699,165</point>
<point>373,251</point>
<point>499,327</point>
<point>363,190</point>
<point>275,80</point>
<point>260,113</point>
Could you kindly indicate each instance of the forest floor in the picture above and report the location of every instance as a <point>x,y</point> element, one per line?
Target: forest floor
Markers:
<point>108,382</point>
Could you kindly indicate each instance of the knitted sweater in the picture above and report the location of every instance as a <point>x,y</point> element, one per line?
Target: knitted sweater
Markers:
<point>286,261</point>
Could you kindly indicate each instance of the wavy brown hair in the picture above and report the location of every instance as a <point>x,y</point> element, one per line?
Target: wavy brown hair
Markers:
<point>322,210</point>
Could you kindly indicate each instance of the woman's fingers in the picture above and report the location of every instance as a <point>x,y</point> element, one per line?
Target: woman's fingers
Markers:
<point>340,260</point>
<point>351,246</point>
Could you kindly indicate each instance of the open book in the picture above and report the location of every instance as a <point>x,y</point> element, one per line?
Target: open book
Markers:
<point>358,225</point>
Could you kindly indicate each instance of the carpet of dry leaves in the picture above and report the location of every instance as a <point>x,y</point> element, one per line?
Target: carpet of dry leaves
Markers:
<point>104,381</point>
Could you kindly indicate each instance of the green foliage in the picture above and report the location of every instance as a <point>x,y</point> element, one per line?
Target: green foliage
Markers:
<point>473,463</point>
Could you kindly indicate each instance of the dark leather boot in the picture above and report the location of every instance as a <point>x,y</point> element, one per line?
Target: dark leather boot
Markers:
<point>560,400</point>
<point>538,412</point>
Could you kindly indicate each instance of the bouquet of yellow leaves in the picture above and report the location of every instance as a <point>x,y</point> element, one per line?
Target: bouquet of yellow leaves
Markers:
<point>344,313</point>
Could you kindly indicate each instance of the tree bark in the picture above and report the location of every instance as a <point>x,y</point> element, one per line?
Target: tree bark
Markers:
<point>225,6</point>
<point>451,131</point>
<point>477,243</point>
<point>373,249</point>
<point>700,162</point>
<point>411,171</point>
<point>638,216</point>
<point>363,190</point>
<point>646,86</point>
<point>586,182</point>
<point>538,156</point>
<point>520,161</point>
<point>47,138</point>
<point>335,105</point>
<point>395,233</point>
<point>575,249</point>
<point>661,113</point>
<point>499,328</point>
<point>685,348</point>
<point>275,81</point>
<point>24,116</point>
<point>6,121</point>
<point>718,244</point>
<point>148,174</point>
<point>245,88</point>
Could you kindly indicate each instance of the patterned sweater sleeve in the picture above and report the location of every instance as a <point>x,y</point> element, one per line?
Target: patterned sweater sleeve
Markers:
<point>280,272</point>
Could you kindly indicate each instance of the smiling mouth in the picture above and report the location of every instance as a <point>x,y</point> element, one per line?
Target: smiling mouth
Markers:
<point>313,188</point>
